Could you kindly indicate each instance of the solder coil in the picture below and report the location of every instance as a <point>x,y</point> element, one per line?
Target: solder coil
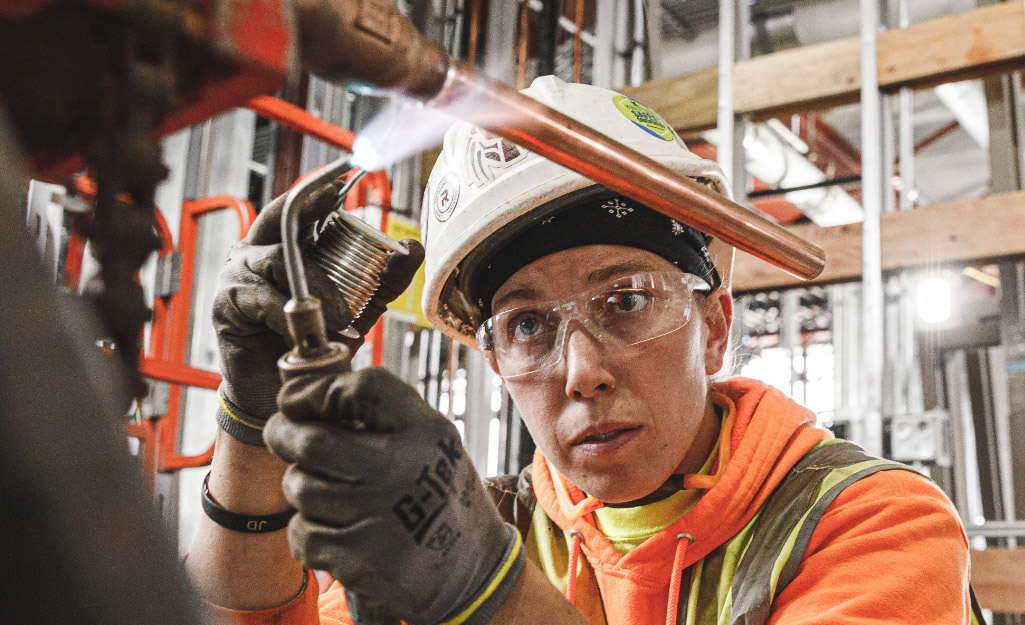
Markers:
<point>352,254</point>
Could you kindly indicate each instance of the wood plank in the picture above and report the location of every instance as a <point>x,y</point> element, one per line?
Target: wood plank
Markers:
<point>984,41</point>
<point>998,576</point>
<point>953,47</point>
<point>805,77</point>
<point>953,232</point>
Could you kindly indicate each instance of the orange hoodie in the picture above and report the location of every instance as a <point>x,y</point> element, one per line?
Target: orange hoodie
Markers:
<point>889,549</point>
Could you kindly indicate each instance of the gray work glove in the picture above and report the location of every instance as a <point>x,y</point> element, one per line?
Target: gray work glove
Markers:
<point>388,501</point>
<point>247,313</point>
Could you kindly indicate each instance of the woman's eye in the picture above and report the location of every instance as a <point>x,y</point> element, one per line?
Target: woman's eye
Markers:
<point>626,301</point>
<point>526,326</point>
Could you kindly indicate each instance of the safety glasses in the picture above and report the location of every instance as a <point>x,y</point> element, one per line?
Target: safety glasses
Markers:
<point>620,313</point>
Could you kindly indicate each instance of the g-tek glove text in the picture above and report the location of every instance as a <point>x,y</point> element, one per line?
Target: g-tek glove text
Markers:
<point>389,503</point>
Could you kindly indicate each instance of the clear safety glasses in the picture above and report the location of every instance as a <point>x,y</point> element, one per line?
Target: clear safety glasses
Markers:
<point>621,312</point>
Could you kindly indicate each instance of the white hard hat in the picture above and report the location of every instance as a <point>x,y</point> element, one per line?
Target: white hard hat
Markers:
<point>484,190</point>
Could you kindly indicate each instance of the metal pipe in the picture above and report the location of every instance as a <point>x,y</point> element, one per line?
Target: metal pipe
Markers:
<point>347,40</point>
<point>471,53</point>
<point>577,41</point>
<point>734,46</point>
<point>638,56</point>
<point>620,44</point>
<point>521,46</point>
<point>570,143</point>
<point>872,200</point>
<point>997,529</point>
<point>830,182</point>
<point>605,30</point>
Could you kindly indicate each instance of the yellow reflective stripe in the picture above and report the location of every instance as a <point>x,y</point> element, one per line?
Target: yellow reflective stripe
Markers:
<point>833,478</point>
<point>736,548</point>
<point>224,406</point>
<point>490,590</point>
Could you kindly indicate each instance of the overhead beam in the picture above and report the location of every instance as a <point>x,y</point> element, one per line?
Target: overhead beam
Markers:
<point>987,40</point>
<point>997,579</point>
<point>955,232</point>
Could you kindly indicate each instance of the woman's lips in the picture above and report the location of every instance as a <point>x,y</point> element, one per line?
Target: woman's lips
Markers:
<point>606,441</point>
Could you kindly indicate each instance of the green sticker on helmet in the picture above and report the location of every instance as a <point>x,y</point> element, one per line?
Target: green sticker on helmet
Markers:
<point>645,118</point>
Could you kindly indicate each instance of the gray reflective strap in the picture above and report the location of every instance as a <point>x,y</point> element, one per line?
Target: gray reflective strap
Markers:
<point>796,495</point>
<point>789,570</point>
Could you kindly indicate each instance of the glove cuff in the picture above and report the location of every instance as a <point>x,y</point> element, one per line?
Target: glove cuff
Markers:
<point>238,424</point>
<point>486,603</point>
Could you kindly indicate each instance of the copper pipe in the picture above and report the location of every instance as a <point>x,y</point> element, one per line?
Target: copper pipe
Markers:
<point>371,42</point>
<point>570,143</point>
<point>578,51</point>
<point>521,45</point>
<point>475,31</point>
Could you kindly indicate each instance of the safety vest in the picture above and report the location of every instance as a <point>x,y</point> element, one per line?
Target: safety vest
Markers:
<point>738,581</point>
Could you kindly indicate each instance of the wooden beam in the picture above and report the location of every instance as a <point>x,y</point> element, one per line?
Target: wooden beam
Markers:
<point>998,580</point>
<point>987,40</point>
<point>957,47</point>
<point>809,77</point>
<point>953,232</point>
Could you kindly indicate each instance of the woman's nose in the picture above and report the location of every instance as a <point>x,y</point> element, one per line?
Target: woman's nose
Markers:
<point>587,375</point>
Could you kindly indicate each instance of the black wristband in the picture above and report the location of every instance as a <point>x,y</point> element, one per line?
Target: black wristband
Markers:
<point>245,523</point>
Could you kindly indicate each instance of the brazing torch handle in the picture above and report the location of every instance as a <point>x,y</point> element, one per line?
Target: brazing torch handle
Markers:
<point>335,361</point>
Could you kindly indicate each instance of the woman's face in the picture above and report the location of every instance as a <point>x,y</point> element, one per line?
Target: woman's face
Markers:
<point>618,422</point>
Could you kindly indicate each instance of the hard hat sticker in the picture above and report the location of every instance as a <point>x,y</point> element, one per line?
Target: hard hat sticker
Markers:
<point>446,197</point>
<point>487,156</point>
<point>645,118</point>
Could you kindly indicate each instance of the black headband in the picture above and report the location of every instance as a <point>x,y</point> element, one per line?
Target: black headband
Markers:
<point>615,220</point>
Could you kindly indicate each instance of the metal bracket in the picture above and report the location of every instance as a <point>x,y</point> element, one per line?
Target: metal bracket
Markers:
<point>169,273</point>
<point>921,437</point>
<point>155,403</point>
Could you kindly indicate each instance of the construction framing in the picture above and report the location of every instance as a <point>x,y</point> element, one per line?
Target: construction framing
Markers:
<point>981,42</point>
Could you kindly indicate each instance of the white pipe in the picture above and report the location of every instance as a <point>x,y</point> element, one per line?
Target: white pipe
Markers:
<point>872,185</point>
<point>734,45</point>
<point>605,27</point>
<point>637,54</point>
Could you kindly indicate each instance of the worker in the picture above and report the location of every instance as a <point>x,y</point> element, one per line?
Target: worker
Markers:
<point>657,494</point>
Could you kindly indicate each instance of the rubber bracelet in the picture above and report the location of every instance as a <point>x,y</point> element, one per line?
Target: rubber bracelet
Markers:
<point>248,524</point>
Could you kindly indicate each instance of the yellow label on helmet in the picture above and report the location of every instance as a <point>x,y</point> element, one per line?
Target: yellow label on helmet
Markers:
<point>645,118</point>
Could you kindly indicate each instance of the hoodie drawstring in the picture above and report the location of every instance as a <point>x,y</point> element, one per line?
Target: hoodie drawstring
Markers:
<point>676,581</point>
<point>574,558</point>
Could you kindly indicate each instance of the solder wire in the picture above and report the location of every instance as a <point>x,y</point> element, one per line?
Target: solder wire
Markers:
<point>347,249</point>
